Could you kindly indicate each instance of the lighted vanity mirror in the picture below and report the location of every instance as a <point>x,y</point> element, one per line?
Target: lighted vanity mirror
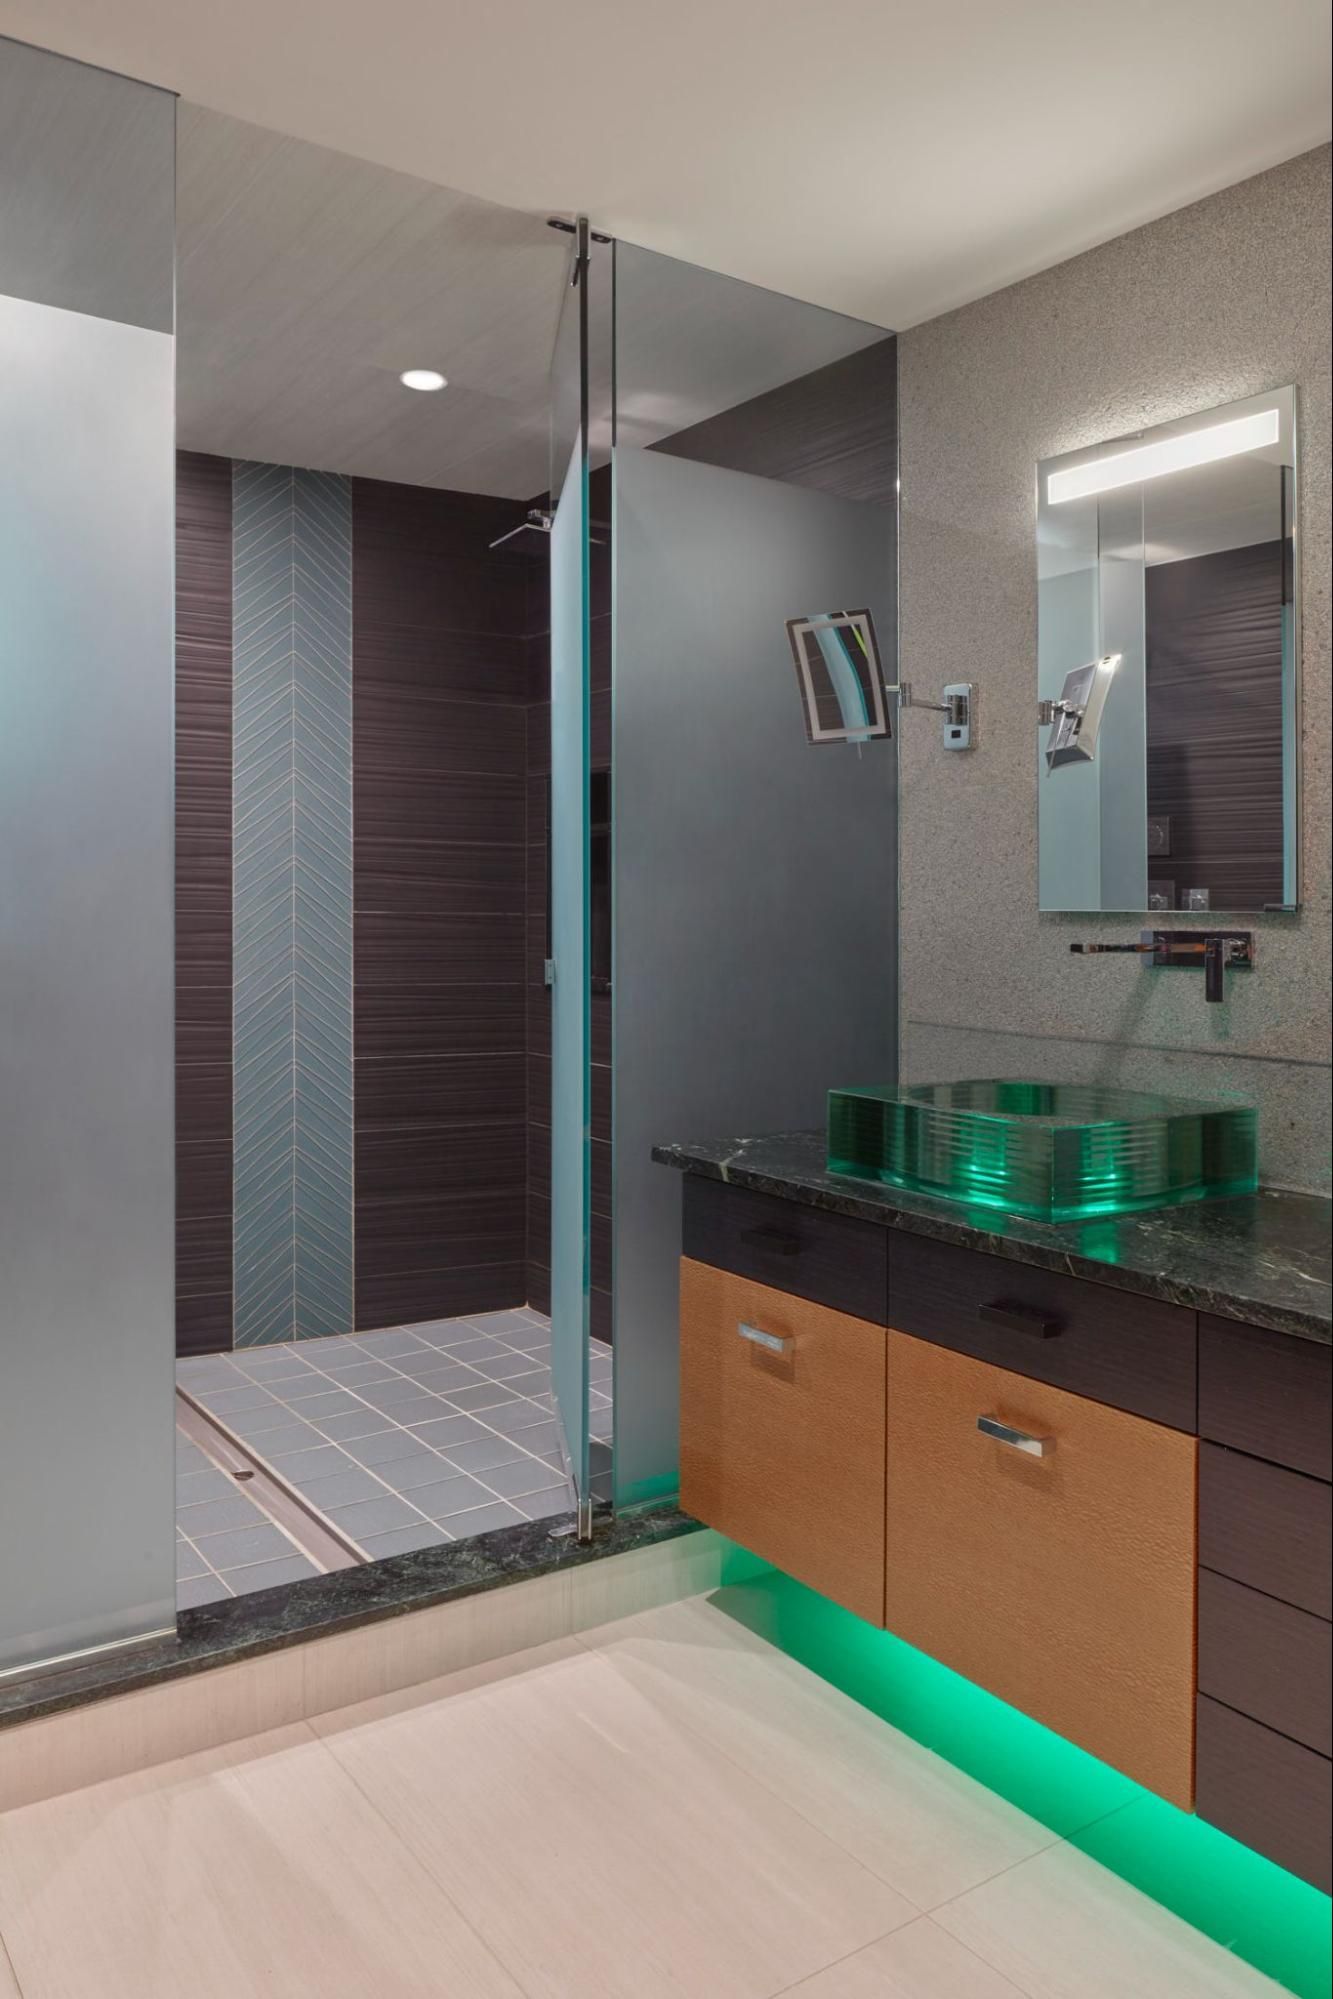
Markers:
<point>1167,731</point>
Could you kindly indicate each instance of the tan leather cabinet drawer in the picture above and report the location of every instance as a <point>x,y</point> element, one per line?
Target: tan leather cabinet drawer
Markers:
<point>1062,1582</point>
<point>782,1431</point>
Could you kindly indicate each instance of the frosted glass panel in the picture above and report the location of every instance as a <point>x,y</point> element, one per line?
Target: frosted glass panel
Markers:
<point>86,762</point>
<point>755,871</point>
<point>571,1153</point>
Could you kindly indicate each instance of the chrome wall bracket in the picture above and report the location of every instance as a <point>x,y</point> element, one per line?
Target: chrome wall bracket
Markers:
<point>959,708</point>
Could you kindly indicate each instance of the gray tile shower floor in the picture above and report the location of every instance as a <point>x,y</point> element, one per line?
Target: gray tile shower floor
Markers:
<point>400,1439</point>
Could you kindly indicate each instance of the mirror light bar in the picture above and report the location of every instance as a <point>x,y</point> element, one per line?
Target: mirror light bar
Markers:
<point>1169,454</point>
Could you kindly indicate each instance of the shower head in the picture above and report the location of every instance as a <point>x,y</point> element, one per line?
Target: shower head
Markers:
<point>537,522</point>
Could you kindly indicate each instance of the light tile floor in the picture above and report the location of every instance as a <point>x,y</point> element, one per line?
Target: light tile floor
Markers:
<point>667,1808</point>
<point>406,1438</point>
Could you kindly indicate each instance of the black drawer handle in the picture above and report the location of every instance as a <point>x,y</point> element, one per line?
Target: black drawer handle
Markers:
<point>768,1235</point>
<point>1021,1319</point>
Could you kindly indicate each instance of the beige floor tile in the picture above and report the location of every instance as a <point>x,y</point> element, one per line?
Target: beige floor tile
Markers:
<point>257,1871</point>
<point>920,1961</point>
<point>1061,1927</point>
<point>921,1825</point>
<point>601,1850</point>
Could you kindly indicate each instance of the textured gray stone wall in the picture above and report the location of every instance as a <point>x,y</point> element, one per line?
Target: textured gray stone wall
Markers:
<point>1221,300</point>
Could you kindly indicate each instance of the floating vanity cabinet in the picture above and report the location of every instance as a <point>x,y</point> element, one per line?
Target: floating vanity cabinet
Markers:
<point>782,1431</point>
<point>1043,1545</point>
<point>1109,1509</point>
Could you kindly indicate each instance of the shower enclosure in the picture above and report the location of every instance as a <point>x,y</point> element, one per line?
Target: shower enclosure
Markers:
<point>499,857</point>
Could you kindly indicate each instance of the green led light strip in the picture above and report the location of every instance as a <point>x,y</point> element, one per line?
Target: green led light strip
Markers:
<point>1245,1903</point>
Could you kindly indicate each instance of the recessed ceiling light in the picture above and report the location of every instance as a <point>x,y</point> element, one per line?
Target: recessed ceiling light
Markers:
<point>422,378</point>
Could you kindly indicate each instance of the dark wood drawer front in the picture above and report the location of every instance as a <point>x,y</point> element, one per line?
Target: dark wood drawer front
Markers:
<point>1266,1526</point>
<point>1134,1353</point>
<point>1266,1659</point>
<point>1265,1791</point>
<point>1266,1393</point>
<point>831,1259</point>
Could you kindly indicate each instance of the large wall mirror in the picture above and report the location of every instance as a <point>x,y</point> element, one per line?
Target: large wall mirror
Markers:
<point>1168,728</point>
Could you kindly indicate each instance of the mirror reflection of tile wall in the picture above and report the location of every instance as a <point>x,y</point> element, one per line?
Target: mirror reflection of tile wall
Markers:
<point>1173,554</point>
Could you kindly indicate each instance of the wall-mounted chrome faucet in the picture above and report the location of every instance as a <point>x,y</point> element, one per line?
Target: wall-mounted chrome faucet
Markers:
<point>1215,950</point>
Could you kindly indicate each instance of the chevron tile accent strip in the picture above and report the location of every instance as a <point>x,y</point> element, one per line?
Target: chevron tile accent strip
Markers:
<point>292,903</point>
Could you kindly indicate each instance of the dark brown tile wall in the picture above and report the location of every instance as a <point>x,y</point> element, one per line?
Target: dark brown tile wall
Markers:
<point>1215,736</point>
<point>440,881</point>
<point>451,749</point>
<point>443,674</point>
<point>835,429</point>
<point>203,904</point>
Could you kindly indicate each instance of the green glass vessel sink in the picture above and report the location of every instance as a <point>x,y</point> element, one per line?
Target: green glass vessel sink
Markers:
<point>1053,1151</point>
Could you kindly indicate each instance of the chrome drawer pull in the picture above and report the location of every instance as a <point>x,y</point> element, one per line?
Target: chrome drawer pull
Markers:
<point>1017,1440</point>
<point>771,1342</point>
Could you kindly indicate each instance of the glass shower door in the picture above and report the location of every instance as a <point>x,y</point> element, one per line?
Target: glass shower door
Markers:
<point>569,970</point>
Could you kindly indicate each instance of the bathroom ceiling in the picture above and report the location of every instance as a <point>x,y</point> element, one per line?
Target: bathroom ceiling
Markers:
<point>886,159</point>
<point>307,281</point>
